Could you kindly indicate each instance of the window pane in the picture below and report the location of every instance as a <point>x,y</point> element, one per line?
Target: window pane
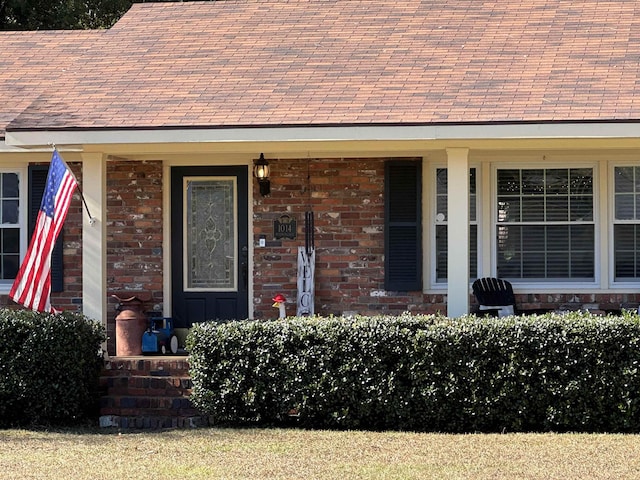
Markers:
<point>10,186</point>
<point>508,182</point>
<point>10,211</point>
<point>472,181</point>
<point>533,265</point>
<point>10,252</point>
<point>10,266</point>
<point>509,249</point>
<point>557,238</point>
<point>441,208</point>
<point>582,252</point>
<point>581,267</point>
<point>557,209</point>
<point>532,182</point>
<point>626,251</point>
<point>581,237</point>
<point>472,208</point>
<point>533,209</point>
<point>508,209</point>
<point>441,181</point>
<point>581,181</point>
<point>581,208</point>
<point>558,264</point>
<point>533,238</point>
<point>211,233</point>
<point>624,179</point>
<point>557,181</point>
<point>510,267</point>
<point>624,237</point>
<point>533,251</point>
<point>9,198</point>
<point>441,253</point>
<point>473,252</point>
<point>626,265</point>
<point>10,240</point>
<point>624,207</point>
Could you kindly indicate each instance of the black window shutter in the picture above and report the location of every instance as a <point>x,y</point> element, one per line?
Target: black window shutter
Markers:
<point>37,183</point>
<point>403,227</point>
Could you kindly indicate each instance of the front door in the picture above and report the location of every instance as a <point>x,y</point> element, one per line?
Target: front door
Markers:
<point>209,250</point>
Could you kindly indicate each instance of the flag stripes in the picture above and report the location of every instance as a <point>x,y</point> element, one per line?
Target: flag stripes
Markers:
<point>32,286</point>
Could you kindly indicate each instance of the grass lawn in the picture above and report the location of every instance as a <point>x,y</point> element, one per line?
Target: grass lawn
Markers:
<point>297,454</point>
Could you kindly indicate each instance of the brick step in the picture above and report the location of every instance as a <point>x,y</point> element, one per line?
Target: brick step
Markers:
<point>147,405</point>
<point>133,385</point>
<point>152,422</point>
<point>147,393</point>
<point>147,366</point>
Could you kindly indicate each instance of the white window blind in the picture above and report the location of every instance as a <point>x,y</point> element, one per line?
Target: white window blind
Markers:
<point>545,224</point>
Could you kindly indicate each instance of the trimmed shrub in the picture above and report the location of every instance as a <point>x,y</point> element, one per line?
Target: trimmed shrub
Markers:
<point>50,367</point>
<point>573,372</point>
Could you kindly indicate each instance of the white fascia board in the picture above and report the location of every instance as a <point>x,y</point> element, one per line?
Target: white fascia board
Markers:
<point>521,131</point>
<point>5,148</point>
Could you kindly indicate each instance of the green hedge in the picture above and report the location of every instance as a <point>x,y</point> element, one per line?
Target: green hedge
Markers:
<point>573,372</point>
<point>50,366</point>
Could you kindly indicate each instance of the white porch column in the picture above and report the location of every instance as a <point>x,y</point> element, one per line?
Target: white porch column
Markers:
<point>94,243</point>
<point>458,231</point>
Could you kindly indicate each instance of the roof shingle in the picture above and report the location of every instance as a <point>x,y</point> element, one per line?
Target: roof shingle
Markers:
<point>316,62</point>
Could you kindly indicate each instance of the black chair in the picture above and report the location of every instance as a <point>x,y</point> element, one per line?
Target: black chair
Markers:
<point>494,294</point>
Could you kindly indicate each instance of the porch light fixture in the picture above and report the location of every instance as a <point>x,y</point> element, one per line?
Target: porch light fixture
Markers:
<point>261,172</point>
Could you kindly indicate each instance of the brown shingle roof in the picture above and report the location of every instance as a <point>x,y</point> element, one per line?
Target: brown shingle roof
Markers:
<point>306,62</point>
<point>31,63</point>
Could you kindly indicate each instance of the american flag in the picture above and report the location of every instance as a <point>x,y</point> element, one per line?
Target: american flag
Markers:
<point>32,286</point>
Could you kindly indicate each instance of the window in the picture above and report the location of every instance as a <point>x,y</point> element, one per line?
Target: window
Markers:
<point>19,205</point>
<point>626,227</point>
<point>545,224</point>
<point>441,218</point>
<point>403,227</point>
<point>9,225</point>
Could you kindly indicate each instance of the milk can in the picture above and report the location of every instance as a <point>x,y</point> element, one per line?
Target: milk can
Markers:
<point>131,323</point>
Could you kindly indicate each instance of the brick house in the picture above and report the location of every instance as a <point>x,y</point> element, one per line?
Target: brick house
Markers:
<point>434,142</point>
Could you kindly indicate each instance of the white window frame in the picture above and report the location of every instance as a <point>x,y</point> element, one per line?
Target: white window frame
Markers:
<point>433,222</point>
<point>630,281</point>
<point>540,285</point>
<point>23,212</point>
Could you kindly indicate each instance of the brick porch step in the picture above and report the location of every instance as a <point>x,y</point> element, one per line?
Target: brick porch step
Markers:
<point>148,393</point>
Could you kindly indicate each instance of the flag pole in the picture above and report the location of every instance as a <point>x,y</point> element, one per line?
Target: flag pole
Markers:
<point>92,220</point>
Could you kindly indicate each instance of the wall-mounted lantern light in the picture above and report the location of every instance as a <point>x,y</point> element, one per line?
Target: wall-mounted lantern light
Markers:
<point>261,172</point>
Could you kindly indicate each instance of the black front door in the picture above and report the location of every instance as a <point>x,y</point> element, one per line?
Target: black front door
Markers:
<point>209,250</point>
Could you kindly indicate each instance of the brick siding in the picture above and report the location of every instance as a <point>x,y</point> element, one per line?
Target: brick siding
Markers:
<point>134,234</point>
<point>347,198</point>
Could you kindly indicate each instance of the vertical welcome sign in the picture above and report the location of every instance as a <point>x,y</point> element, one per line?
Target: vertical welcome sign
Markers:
<point>306,269</point>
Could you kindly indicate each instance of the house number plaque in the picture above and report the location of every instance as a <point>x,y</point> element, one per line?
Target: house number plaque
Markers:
<point>285,227</point>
